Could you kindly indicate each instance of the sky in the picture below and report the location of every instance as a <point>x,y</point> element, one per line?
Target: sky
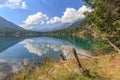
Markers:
<point>42,14</point>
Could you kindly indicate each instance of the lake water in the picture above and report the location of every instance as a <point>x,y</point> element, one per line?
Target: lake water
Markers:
<point>17,52</point>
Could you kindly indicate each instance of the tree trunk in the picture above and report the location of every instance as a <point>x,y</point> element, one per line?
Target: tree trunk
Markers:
<point>115,47</point>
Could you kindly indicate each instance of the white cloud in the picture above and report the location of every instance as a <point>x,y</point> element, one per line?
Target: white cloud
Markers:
<point>70,15</point>
<point>24,6</point>
<point>54,20</point>
<point>35,19</point>
<point>84,9</point>
<point>27,27</point>
<point>14,4</point>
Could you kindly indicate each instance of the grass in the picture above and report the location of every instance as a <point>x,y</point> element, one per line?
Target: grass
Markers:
<point>102,68</point>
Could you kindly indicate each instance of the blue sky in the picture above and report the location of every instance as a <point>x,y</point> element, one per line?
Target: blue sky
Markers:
<point>42,14</point>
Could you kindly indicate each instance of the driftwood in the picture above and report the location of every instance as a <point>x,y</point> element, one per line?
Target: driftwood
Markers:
<point>82,70</point>
<point>85,72</point>
<point>77,59</point>
<point>50,72</point>
<point>63,57</point>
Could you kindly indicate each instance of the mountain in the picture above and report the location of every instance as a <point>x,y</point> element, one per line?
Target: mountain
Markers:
<point>4,24</point>
<point>74,24</point>
<point>61,26</point>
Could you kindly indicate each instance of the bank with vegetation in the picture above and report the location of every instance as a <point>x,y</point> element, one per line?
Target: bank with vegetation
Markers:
<point>102,68</point>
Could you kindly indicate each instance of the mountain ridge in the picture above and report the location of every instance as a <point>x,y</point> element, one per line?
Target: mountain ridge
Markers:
<point>5,24</point>
<point>61,26</point>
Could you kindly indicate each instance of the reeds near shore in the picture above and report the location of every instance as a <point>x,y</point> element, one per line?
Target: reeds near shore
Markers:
<point>102,68</point>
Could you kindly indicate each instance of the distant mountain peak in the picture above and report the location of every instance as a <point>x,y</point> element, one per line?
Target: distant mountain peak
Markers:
<point>61,26</point>
<point>5,24</point>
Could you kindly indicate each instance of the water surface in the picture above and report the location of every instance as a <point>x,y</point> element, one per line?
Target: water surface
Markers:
<point>17,53</point>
